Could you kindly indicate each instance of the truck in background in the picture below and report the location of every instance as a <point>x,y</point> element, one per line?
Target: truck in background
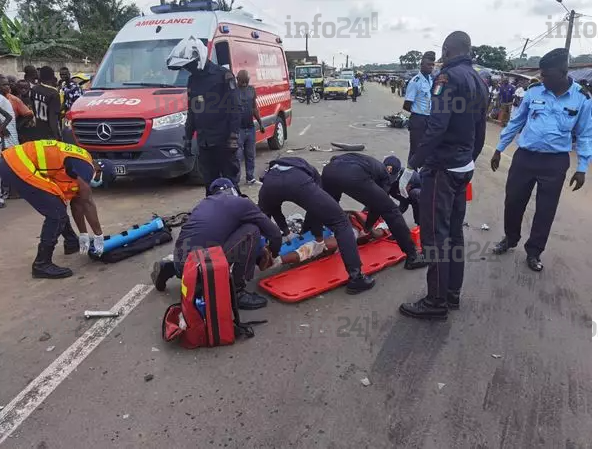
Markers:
<point>135,112</point>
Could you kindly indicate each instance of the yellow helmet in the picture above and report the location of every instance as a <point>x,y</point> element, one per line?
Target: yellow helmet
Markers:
<point>80,78</point>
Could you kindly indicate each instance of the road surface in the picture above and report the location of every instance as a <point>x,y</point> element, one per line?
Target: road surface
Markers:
<point>511,369</point>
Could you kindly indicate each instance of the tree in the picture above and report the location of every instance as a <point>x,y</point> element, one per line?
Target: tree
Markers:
<point>582,59</point>
<point>224,5</point>
<point>106,15</point>
<point>491,57</point>
<point>411,59</point>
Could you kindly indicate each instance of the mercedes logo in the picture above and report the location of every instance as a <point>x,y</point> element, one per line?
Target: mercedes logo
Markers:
<point>104,131</point>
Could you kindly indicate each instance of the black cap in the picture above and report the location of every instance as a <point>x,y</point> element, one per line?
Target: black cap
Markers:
<point>395,163</point>
<point>557,58</point>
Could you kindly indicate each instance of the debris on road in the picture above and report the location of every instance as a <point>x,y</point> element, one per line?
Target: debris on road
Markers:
<point>50,348</point>
<point>496,356</point>
<point>485,227</point>
<point>45,337</point>
<point>1,408</point>
<point>100,314</point>
<point>155,349</point>
<point>148,377</point>
<point>304,325</point>
<point>441,386</point>
<point>365,382</point>
<point>126,416</point>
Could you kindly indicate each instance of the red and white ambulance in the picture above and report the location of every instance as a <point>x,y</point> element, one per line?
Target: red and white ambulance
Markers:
<point>135,111</point>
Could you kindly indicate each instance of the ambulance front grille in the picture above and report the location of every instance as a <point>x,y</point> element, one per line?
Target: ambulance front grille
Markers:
<point>112,132</point>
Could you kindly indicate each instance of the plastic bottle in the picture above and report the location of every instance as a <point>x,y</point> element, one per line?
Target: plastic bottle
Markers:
<point>200,305</point>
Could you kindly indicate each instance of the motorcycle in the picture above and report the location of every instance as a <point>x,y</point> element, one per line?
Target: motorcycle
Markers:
<point>301,97</point>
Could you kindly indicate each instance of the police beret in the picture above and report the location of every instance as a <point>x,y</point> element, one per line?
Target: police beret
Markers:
<point>558,57</point>
<point>429,55</point>
<point>395,163</point>
<point>221,184</point>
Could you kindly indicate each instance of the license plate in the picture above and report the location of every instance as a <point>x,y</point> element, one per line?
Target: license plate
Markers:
<point>120,170</point>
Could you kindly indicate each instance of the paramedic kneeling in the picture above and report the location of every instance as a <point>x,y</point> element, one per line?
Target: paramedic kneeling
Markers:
<point>236,224</point>
<point>293,179</point>
<point>48,174</point>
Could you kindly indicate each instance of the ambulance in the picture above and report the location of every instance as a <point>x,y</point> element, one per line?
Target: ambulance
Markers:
<point>135,111</point>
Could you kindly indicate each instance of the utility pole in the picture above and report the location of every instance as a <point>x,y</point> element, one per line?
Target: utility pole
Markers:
<point>524,47</point>
<point>306,45</point>
<point>570,30</point>
<point>347,64</point>
<point>333,61</point>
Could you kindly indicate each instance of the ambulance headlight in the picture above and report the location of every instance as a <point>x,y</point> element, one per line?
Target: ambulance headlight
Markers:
<point>170,121</point>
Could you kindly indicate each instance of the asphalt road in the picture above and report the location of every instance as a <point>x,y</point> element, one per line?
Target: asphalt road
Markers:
<point>511,369</point>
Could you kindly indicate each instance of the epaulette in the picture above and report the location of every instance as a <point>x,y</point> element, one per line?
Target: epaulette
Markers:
<point>586,93</point>
<point>416,78</point>
<point>534,85</point>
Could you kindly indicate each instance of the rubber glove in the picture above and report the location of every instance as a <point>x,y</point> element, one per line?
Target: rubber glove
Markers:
<point>98,244</point>
<point>289,237</point>
<point>84,243</point>
<point>404,181</point>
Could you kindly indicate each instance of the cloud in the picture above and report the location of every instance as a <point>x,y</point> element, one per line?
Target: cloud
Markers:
<point>548,7</point>
<point>497,4</point>
<point>409,24</point>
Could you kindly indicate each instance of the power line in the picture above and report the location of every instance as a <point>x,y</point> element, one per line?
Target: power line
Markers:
<point>533,42</point>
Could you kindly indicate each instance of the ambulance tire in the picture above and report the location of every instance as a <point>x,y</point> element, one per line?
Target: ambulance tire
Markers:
<point>276,142</point>
<point>195,176</point>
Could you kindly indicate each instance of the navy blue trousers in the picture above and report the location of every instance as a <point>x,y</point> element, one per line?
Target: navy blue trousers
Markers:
<point>56,219</point>
<point>528,169</point>
<point>443,205</point>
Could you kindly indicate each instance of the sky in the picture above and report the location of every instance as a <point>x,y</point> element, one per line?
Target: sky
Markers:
<point>402,25</point>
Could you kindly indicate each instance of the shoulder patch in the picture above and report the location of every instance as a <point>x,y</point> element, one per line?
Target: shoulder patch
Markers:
<point>586,93</point>
<point>439,83</point>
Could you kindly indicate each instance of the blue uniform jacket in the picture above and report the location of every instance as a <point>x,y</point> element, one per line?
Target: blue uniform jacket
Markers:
<point>216,217</point>
<point>214,110</point>
<point>457,125</point>
<point>547,123</point>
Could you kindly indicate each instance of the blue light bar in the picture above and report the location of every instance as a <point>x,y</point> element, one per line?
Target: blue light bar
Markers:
<point>224,29</point>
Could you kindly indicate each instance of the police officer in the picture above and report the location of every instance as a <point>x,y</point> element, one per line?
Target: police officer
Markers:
<point>550,114</point>
<point>453,140</point>
<point>293,179</point>
<point>236,224</point>
<point>48,174</point>
<point>356,84</point>
<point>368,181</point>
<point>213,110</point>
<point>417,101</point>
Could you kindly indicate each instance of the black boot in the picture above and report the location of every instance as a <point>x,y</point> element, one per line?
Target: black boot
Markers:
<point>71,247</point>
<point>163,270</point>
<point>534,263</point>
<point>43,268</point>
<point>425,310</point>
<point>359,284</point>
<point>415,261</point>
<point>453,299</point>
<point>502,247</point>
<point>250,301</point>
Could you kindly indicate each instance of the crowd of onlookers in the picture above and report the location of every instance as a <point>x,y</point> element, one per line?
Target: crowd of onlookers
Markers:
<point>34,107</point>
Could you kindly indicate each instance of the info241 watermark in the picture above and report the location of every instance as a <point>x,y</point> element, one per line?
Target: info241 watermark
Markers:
<point>344,27</point>
<point>559,29</point>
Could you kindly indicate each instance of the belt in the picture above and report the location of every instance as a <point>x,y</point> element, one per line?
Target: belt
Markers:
<point>545,153</point>
<point>420,115</point>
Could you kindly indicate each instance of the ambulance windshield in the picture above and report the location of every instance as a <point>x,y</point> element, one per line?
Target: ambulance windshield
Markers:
<point>130,65</point>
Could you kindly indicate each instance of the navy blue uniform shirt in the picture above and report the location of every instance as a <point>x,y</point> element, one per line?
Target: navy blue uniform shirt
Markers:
<point>375,168</point>
<point>76,167</point>
<point>247,101</point>
<point>301,164</point>
<point>213,105</point>
<point>216,217</point>
<point>457,125</point>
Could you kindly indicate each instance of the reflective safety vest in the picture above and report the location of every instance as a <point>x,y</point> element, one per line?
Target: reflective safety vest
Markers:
<point>41,164</point>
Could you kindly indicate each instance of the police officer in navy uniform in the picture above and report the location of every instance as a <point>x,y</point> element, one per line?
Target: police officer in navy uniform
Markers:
<point>226,219</point>
<point>293,179</point>
<point>214,111</point>
<point>417,100</point>
<point>454,138</point>
<point>550,114</point>
<point>368,181</point>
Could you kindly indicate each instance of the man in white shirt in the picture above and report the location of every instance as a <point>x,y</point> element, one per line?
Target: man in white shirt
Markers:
<point>10,139</point>
<point>518,97</point>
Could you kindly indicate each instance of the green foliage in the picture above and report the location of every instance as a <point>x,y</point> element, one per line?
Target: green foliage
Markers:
<point>491,57</point>
<point>411,59</point>
<point>10,32</point>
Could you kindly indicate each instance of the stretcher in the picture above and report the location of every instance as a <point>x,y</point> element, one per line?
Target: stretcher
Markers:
<point>322,275</point>
<point>297,242</point>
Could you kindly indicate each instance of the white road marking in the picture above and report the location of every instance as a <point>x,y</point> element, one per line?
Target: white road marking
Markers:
<point>305,129</point>
<point>25,403</point>
<point>304,118</point>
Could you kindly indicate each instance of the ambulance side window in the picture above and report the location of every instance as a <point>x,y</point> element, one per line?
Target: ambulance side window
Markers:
<point>222,54</point>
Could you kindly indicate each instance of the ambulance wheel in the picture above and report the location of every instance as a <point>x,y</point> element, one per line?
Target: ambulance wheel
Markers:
<point>195,176</point>
<point>276,142</point>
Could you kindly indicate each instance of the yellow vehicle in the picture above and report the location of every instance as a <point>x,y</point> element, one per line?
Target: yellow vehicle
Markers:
<point>313,71</point>
<point>337,88</point>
